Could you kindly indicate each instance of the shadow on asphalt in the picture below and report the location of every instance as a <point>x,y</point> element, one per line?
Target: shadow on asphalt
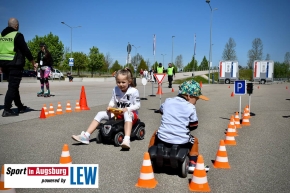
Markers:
<point>288,99</point>
<point>224,118</point>
<point>16,109</point>
<point>286,116</point>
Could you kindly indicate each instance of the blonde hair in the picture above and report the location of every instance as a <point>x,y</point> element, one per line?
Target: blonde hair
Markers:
<point>126,72</point>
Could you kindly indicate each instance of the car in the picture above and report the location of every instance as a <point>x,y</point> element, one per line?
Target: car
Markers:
<point>28,73</point>
<point>54,74</point>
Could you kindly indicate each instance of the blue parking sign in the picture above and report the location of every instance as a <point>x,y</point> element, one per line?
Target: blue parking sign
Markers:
<point>240,87</point>
<point>71,62</point>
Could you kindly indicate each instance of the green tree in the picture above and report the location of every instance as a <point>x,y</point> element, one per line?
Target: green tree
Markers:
<point>281,70</point>
<point>80,61</point>
<point>204,64</point>
<point>96,60</point>
<point>142,65</point>
<point>54,45</point>
<point>116,66</point>
<point>192,65</point>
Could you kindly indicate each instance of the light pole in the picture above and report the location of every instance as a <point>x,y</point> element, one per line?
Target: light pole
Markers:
<point>70,40</point>
<point>172,51</point>
<point>163,58</point>
<point>136,59</point>
<point>210,45</point>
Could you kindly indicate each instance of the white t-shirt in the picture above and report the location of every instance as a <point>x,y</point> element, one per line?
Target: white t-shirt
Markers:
<point>129,99</point>
<point>177,114</point>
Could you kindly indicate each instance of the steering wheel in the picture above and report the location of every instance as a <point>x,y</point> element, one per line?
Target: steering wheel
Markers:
<point>116,111</point>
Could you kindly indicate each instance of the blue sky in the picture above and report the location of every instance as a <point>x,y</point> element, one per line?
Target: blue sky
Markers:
<point>111,24</point>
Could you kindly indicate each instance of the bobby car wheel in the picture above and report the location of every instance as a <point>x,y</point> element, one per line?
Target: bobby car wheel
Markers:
<point>118,139</point>
<point>184,167</point>
<point>140,133</point>
<point>99,137</point>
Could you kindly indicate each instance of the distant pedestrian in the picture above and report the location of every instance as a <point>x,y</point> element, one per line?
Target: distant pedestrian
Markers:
<point>13,51</point>
<point>170,74</point>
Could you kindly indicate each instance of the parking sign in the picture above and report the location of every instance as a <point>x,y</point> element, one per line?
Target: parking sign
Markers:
<point>71,62</point>
<point>240,87</point>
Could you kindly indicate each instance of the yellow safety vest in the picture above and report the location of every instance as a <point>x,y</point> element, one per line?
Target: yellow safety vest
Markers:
<point>7,46</point>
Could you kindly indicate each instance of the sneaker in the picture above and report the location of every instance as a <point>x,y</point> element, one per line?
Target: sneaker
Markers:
<point>9,113</point>
<point>22,109</point>
<point>192,165</point>
<point>81,138</point>
<point>125,144</point>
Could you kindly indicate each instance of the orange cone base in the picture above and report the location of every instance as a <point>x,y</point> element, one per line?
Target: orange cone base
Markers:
<point>221,165</point>
<point>199,187</point>
<point>85,108</point>
<point>146,183</point>
<point>246,123</point>
<point>65,160</point>
<point>159,91</point>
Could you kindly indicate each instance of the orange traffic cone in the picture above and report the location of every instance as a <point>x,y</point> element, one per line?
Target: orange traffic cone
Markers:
<point>45,110</point>
<point>246,117</point>
<point>83,100</point>
<point>65,156</point>
<point>51,110</point>
<point>199,181</point>
<point>172,90</point>
<point>2,189</point>
<point>77,108</point>
<point>231,131</point>
<point>258,87</point>
<point>233,125</point>
<point>200,83</point>
<point>230,140</point>
<point>68,107</point>
<point>146,178</point>
<point>221,160</point>
<point>232,94</point>
<point>42,114</point>
<point>229,86</point>
<point>59,109</point>
<point>286,87</point>
<point>247,111</point>
<point>159,91</point>
<point>237,121</point>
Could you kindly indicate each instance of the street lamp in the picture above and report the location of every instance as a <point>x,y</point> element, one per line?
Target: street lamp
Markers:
<point>163,58</point>
<point>210,45</point>
<point>172,51</point>
<point>70,40</point>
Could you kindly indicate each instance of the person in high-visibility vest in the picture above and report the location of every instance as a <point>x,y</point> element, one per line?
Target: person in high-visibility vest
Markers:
<point>13,51</point>
<point>170,74</point>
<point>160,69</point>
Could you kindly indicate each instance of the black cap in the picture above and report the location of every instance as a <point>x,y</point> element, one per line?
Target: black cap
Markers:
<point>160,64</point>
<point>42,44</point>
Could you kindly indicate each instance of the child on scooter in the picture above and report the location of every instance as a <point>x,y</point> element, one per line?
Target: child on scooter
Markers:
<point>179,118</point>
<point>125,97</point>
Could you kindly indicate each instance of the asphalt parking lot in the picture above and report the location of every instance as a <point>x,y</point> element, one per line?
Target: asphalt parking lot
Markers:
<point>259,162</point>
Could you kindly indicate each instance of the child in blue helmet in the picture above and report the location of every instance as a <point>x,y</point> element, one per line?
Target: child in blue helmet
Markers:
<point>179,117</point>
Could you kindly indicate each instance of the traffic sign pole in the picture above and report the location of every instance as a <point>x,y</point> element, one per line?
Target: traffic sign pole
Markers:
<point>240,108</point>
